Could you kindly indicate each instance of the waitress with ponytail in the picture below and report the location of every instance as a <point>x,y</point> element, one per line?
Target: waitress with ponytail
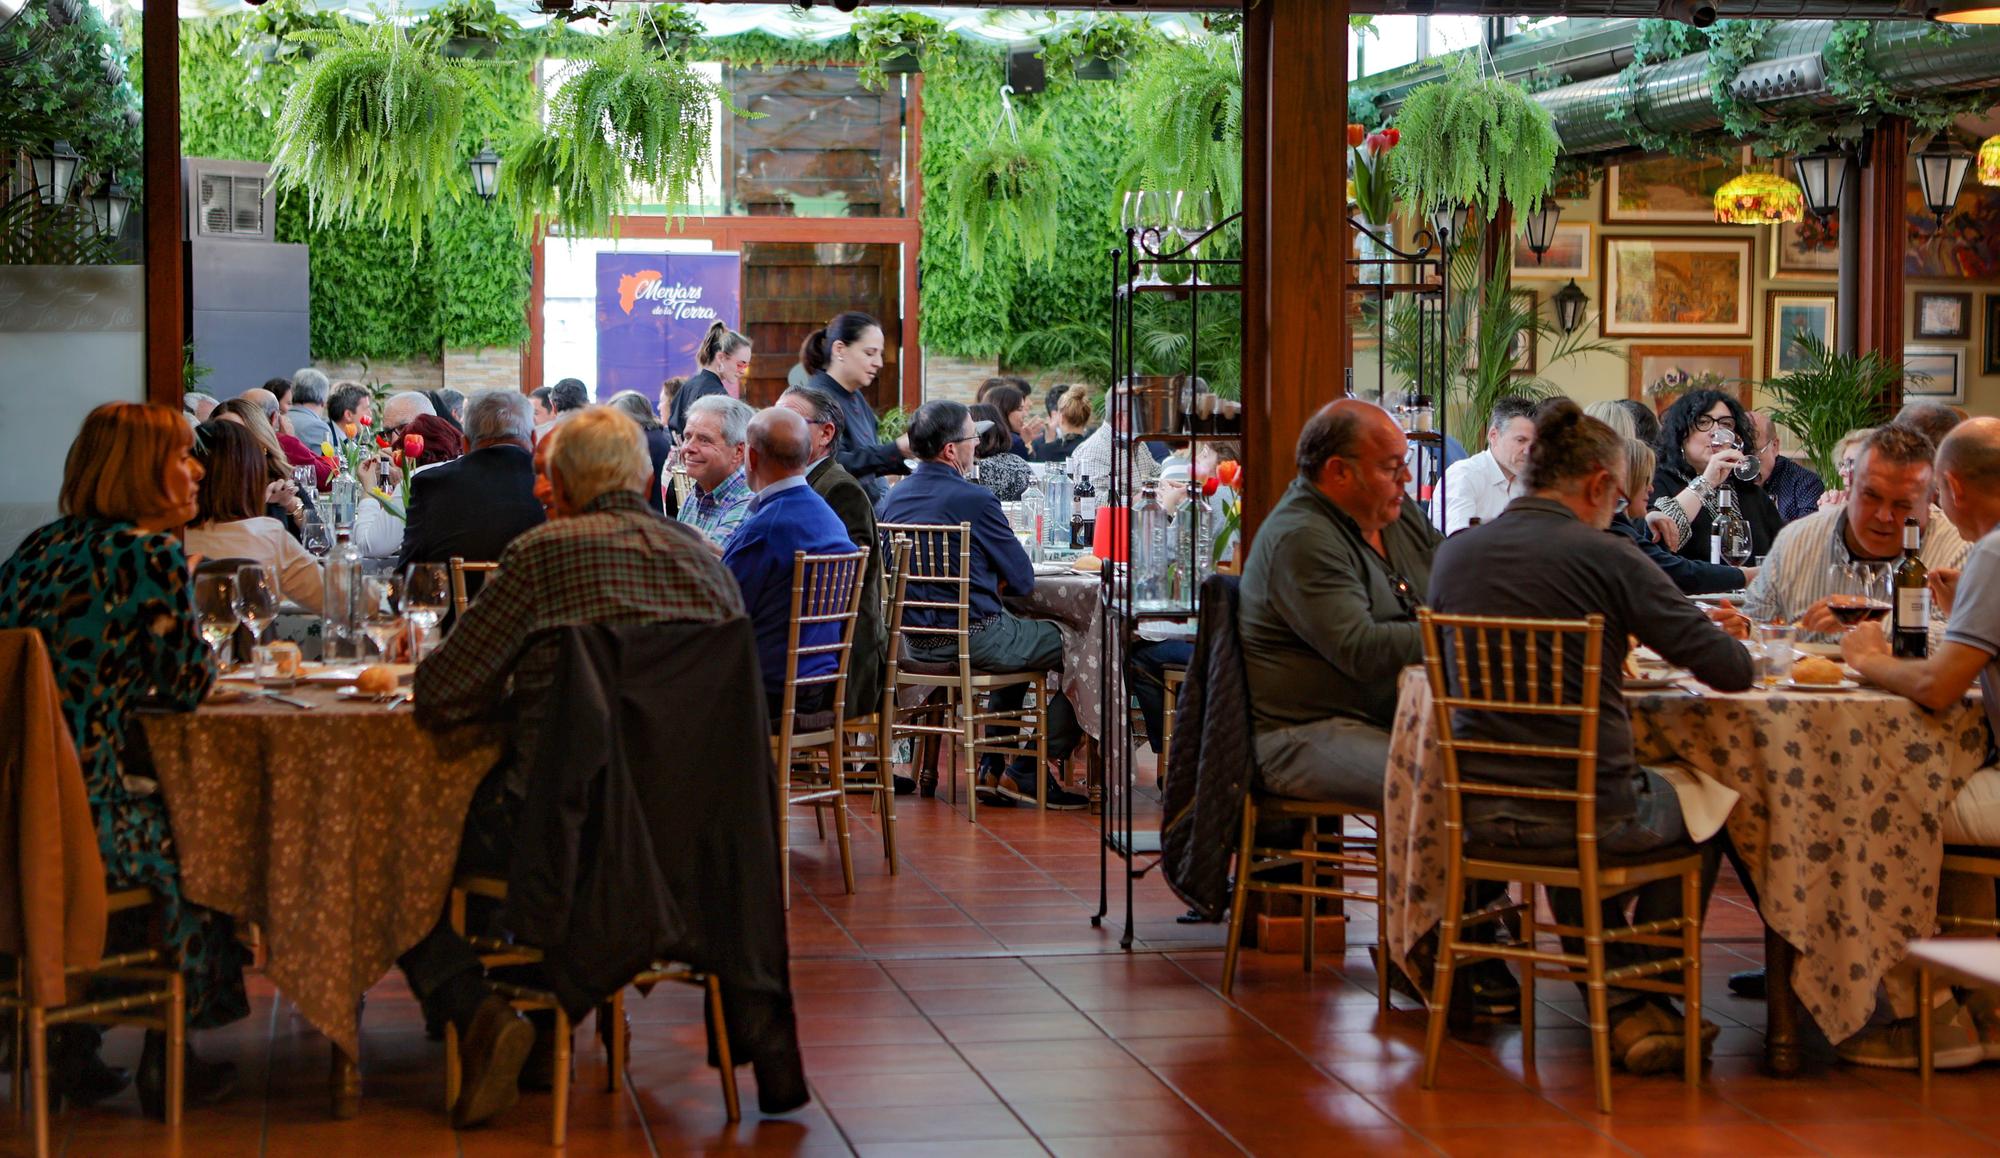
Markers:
<point>843,359</point>
<point>724,356</point>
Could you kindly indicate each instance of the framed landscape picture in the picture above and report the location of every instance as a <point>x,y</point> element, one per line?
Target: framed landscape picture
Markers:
<point>1659,374</point>
<point>1934,373</point>
<point>1806,249</point>
<point>1788,313</point>
<point>1941,315</point>
<point>1675,287</point>
<point>1668,190</point>
<point>1568,255</point>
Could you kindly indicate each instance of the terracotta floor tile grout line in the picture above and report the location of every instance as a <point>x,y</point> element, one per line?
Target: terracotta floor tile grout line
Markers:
<point>958,1052</point>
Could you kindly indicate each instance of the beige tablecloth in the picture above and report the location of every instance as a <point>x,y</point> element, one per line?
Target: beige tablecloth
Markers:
<point>1838,821</point>
<point>334,829</point>
<point>1075,604</point>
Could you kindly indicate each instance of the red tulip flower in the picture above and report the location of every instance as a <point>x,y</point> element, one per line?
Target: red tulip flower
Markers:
<point>1395,136</point>
<point>413,445</point>
<point>1230,473</point>
<point>1208,486</point>
<point>365,420</point>
<point>1355,135</point>
<point>382,441</point>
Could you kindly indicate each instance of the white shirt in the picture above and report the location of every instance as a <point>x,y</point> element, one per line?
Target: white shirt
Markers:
<point>1474,488</point>
<point>1092,459</point>
<point>377,532</point>
<point>264,540</point>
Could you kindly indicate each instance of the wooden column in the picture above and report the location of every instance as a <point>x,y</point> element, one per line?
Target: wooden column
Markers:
<point>1295,236</point>
<point>166,282</point>
<point>1879,293</point>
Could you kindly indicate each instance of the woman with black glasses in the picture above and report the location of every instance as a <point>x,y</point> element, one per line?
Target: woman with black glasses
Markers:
<point>1704,436</point>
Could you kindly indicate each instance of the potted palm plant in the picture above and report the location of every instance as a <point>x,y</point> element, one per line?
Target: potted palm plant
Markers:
<point>1830,394</point>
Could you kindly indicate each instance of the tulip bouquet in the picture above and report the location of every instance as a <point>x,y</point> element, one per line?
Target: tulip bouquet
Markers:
<point>1230,475</point>
<point>1369,178</point>
<point>405,459</point>
<point>349,453</point>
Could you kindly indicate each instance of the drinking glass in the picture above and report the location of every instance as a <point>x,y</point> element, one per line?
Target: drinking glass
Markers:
<point>1723,438</point>
<point>426,594</point>
<point>1777,641</point>
<point>1860,592</point>
<point>313,533</point>
<point>256,599</point>
<point>306,479</point>
<point>382,619</point>
<point>215,612</point>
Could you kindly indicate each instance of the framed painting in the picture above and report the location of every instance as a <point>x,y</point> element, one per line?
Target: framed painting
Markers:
<point>1676,287</point>
<point>1568,255</point>
<point>1574,185</point>
<point>1990,362</point>
<point>1787,314</point>
<point>1806,250</point>
<point>1941,315</point>
<point>1668,190</point>
<point>1660,374</point>
<point>1965,248</point>
<point>1934,373</point>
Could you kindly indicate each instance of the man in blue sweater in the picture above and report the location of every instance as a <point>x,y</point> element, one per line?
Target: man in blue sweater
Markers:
<point>943,435</point>
<point>785,518</point>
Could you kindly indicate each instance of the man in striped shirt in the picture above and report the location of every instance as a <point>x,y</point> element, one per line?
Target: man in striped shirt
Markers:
<point>1809,558</point>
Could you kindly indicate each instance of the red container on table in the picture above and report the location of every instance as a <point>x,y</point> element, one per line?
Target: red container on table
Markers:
<point>1108,538</point>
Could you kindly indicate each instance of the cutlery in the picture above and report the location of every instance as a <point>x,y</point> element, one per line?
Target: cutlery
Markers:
<point>288,701</point>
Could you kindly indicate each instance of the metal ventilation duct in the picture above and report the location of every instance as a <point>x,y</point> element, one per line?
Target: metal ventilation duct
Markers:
<point>1789,73</point>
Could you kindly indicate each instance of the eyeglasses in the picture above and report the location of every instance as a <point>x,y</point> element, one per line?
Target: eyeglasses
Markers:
<point>1708,422</point>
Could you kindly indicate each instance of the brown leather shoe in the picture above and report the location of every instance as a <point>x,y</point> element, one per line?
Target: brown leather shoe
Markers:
<point>492,1052</point>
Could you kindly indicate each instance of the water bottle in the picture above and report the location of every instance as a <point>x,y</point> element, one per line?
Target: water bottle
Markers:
<point>1056,496</point>
<point>342,637</point>
<point>1034,519</point>
<point>1193,550</point>
<point>1150,549</point>
<point>345,492</point>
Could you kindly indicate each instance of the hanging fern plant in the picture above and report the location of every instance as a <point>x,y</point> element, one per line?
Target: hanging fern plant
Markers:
<point>369,133</point>
<point>1188,110</point>
<point>631,124</point>
<point>1473,140</point>
<point>1009,187</point>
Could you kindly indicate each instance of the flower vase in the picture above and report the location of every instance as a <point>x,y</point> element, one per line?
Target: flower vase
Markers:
<point>1374,246</point>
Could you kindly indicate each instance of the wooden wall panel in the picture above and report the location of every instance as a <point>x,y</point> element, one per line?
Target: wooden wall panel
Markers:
<point>1883,241</point>
<point>166,283</point>
<point>1295,233</point>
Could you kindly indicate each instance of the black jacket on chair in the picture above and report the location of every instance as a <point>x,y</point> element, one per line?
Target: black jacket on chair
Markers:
<point>650,833</point>
<point>471,507</point>
<point>1214,758</point>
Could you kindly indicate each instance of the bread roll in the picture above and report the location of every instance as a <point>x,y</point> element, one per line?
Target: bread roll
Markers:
<point>1087,563</point>
<point>379,680</point>
<point>1813,669</point>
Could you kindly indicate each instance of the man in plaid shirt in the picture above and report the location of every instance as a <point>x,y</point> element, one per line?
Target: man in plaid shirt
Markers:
<point>713,455</point>
<point>606,557</point>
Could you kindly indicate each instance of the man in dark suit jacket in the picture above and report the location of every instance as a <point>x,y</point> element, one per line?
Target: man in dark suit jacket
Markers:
<point>472,507</point>
<point>850,502</point>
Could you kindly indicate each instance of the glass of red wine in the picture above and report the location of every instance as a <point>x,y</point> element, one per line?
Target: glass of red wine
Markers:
<point>1861,593</point>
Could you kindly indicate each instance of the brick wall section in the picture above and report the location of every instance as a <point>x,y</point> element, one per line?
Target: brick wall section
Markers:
<point>955,378</point>
<point>493,368</point>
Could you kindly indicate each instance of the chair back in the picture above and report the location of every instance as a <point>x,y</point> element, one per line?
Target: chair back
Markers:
<point>1506,666</point>
<point>934,575</point>
<point>460,599</point>
<point>895,589</point>
<point>826,589</point>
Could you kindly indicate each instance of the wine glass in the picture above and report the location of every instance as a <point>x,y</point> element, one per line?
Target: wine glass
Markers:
<point>256,601</point>
<point>1152,212</point>
<point>313,533</point>
<point>1860,592</point>
<point>215,612</point>
<point>382,619</point>
<point>306,479</point>
<point>1723,438</point>
<point>426,594</point>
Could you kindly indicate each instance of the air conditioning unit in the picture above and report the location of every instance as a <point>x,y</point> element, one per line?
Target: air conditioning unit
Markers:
<point>227,200</point>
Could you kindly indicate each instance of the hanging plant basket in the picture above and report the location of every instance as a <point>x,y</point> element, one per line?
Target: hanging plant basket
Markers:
<point>471,48</point>
<point>369,132</point>
<point>1472,139</point>
<point>890,42</point>
<point>909,60</point>
<point>629,125</point>
<point>1100,68</point>
<point>1009,187</point>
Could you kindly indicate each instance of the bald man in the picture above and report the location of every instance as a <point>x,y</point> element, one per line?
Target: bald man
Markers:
<point>1968,488</point>
<point>786,517</point>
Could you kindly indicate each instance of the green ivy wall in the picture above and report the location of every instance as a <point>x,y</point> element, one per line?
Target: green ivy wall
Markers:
<point>468,285</point>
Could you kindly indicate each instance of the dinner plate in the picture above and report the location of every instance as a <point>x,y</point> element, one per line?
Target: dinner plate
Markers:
<point>351,692</point>
<point>1842,686</point>
<point>1650,683</point>
<point>1052,569</point>
<point>1735,598</point>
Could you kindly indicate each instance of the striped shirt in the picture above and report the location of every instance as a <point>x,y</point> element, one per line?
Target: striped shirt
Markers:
<point>718,513</point>
<point>615,562</point>
<point>1801,568</point>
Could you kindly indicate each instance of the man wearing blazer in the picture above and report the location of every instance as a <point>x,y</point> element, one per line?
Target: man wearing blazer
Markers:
<point>473,506</point>
<point>849,501</point>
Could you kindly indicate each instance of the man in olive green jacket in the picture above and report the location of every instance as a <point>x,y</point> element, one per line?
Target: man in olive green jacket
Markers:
<point>1329,616</point>
<point>849,501</point>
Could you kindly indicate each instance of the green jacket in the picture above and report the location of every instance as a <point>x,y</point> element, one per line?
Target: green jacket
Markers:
<point>866,665</point>
<point>1325,630</point>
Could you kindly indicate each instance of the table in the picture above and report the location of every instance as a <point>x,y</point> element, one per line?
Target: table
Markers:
<point>1837,824</point>
<point>1075,603</point>
<point>1959,961</point>
<point>336,830</point>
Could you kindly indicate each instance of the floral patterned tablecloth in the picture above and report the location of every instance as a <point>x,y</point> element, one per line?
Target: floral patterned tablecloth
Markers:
<point>1076,604</point>
<point>1837,821</point>
<point>335,829</point>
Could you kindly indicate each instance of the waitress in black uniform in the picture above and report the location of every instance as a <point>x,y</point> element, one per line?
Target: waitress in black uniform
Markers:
<point>844,359</point>
<point>724,356</point>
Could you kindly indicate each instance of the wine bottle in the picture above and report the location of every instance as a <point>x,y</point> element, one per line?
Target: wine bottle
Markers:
<point>1911,638</point>
<point>1083,513</point>
<point>1729,538</point>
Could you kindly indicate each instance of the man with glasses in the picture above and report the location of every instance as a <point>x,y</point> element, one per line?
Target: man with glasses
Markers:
<point>943,435</point>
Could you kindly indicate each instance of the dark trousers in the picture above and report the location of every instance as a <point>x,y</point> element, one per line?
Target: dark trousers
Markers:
<point>808,700</point>
<point>486,848</point>
<point>1013,644</point>
<point>1146,667</point>
<point>1655,824</point>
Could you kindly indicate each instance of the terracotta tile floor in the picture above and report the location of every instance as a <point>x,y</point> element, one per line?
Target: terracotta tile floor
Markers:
<point>966,1007</point>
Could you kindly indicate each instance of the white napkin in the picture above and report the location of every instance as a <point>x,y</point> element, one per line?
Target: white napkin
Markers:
<point>1705,801</point>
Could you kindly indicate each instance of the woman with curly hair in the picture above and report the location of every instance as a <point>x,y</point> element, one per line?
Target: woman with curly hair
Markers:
<point>1702,436</point>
